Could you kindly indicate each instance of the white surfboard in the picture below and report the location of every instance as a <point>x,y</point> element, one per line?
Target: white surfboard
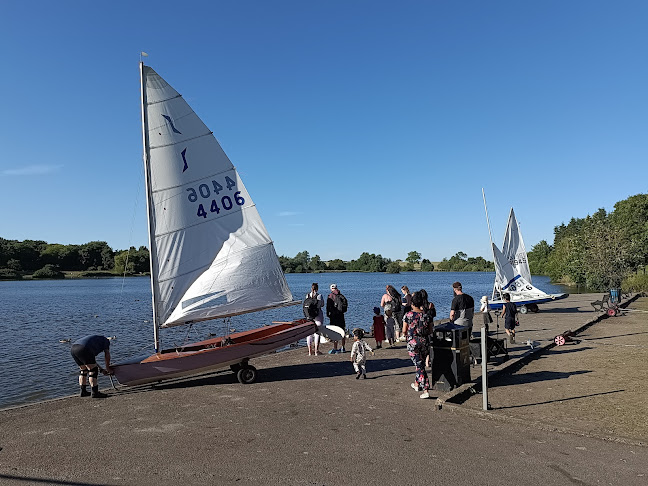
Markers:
<point>330,333</point>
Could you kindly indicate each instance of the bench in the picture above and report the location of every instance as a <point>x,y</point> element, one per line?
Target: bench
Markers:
<point>602,304</point>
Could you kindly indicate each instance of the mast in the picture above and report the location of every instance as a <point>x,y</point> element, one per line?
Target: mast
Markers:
<point>149,207</point>
<point>490,236</point>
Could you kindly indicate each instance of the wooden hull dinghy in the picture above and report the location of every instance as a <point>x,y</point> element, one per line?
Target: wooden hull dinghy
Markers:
<point>232,351</point>
<point>211,255</point>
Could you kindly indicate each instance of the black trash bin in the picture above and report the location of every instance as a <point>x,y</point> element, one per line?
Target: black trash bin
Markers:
<point>450,356</point>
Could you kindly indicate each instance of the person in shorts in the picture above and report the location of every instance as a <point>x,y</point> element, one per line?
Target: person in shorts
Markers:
<point>84,351</point>
<point>509,313</point>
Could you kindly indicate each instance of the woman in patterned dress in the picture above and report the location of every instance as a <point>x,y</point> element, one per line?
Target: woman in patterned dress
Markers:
<point>417,327</point>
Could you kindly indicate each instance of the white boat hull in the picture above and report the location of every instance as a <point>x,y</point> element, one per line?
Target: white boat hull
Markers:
<point>498,304</point>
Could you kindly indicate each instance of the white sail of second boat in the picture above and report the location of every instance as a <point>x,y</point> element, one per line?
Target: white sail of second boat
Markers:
<point>509,280</point>
<point>512,273</point>
<point>514,250</point>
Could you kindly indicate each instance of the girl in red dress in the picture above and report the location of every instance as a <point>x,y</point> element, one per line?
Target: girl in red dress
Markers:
<point>378,327</point>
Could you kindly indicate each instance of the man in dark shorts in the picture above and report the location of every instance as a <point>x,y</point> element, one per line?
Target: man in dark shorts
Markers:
<point>84,352</point>
<point>462,307</point>
<point>509,313</point>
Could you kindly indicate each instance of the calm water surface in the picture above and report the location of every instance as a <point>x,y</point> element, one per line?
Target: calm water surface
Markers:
<point>37,315</point>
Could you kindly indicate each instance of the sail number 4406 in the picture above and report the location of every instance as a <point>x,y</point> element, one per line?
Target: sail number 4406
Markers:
<point>205,192</point>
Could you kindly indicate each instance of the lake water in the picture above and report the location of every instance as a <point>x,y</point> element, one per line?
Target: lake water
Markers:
<point>37,315</point>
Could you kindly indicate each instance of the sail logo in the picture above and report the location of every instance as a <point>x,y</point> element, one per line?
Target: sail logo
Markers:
<point>184,159</point>
<point>519,259</point>
<point>168,119</point>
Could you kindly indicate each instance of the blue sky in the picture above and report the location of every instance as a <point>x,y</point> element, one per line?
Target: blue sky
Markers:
<point>355,125</point>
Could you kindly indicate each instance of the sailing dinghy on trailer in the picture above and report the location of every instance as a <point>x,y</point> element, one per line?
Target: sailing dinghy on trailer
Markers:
<point>211,255</point>
<point>512,273</point>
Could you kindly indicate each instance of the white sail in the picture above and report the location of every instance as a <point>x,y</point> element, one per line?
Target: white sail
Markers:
<point>514,250</point>
<point>211,255</point>
<point>508,280</point>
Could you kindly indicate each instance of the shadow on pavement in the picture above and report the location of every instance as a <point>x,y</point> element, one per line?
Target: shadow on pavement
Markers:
<point>302,371</point>
<point>536,376</point>
<point>32,480</point>
<point>567,348</point>
<point>567,310</point>
<point>559,400</point>
<point>614,336</point>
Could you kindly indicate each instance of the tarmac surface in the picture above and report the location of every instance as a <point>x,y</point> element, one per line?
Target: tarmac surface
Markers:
<point>307,420</point>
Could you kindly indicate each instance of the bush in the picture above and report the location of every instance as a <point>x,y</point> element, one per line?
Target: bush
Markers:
<point>48,271</point>
<point>635,283</point>
<point>393,267</point>
<point>9,274</point>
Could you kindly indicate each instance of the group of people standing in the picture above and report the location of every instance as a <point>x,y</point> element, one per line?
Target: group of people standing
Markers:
<point>409,318</point>
<point>336,306</point>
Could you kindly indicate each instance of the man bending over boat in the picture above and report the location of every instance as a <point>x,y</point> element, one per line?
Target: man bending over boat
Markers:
<point>84,352</point>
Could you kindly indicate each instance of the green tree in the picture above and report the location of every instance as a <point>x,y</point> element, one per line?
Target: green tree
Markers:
<point>413,257</point>
<point>368,262</point>
<point>538,258</point>
<point>28,253</point>
<point>630,218</point>
<point>393,267</point>
<point>48,271</point>
<point>427,265</point>
<point>94,254</point>
<point>14,265</point>
<point>65,256</point>
<point>132,261</point>
<point>336,264</point>
<point>316,264</point>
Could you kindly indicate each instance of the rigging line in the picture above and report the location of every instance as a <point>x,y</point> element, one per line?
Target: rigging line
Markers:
<point>180,141</point>
<point>150,103</point>
<point>135,353</point>
<point>130,236</point>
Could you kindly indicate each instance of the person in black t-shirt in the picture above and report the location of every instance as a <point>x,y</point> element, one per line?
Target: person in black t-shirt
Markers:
<point>84,352</point>
<point>509,313</point>
<point>462,308</point>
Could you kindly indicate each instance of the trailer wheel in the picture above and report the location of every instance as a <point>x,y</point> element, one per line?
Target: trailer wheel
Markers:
<point>247,375</point>
<point>523,309</point>
<point>611,312</point>
<point>533,307</point>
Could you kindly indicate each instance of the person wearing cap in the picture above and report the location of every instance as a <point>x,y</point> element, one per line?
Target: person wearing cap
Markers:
<point>336,316</point>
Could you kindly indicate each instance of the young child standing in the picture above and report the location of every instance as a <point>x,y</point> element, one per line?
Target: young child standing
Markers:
<point>390,325</point>
<point>359,354</point>
<point>378,327</point>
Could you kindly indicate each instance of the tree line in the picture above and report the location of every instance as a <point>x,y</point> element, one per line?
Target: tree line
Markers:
<point>48,260</point>
<point>370,262</point>
<point>601,251</point>
<point>96,258</point>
